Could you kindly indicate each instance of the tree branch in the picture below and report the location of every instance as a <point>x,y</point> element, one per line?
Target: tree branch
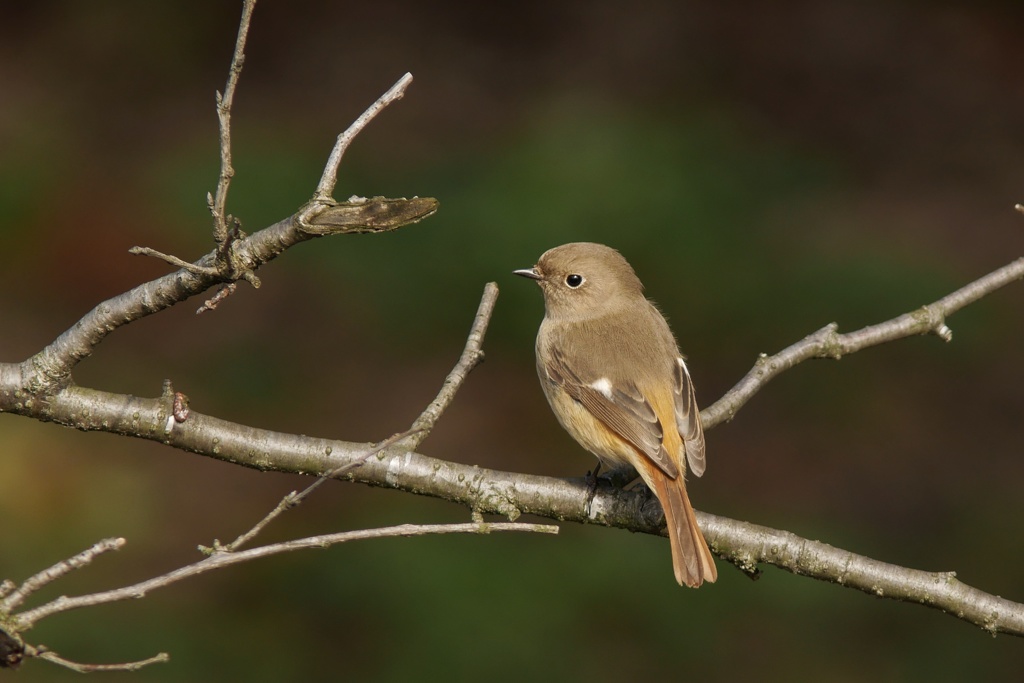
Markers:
<point>51,656</point>
<point>28,619</point>
<point>218,203</point>
<point>747,545</point>
<point>295,498</point>
<point>325,188</point>
<point>472,355</point>
<point>50,369</point>
<point>827,343</point>
<point>510,494</point>
<point>34,583</point>
<point>225,266</point>
<point>12,646</point>
<point>420,429</point>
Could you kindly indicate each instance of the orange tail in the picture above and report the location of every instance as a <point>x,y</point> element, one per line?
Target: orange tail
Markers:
<point>691,557</point>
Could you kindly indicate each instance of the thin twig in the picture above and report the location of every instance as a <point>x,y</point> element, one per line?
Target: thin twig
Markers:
<point>58,570</point>
<point>51,656</point>
<point>215,300</point>
<point>325,189</point>
<point>26,620</point>
<point>225,229</point>
<point>828,343</point>
<point>349,466</point>
<point>175,261</point>
<point>293,499</point>
<point>224,103</point>
<point>472,354</point>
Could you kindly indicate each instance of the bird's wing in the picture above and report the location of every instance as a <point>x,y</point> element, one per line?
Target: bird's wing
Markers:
<point>619,405</point>
<point>688,419</point>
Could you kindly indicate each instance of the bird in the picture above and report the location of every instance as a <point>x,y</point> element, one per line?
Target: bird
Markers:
<point>612,372</point>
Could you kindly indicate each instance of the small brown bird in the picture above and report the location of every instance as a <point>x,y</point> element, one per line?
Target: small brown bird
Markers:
<point>616,381</point>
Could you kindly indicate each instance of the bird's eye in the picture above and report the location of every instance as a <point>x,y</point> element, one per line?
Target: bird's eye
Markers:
<point>574,280</point>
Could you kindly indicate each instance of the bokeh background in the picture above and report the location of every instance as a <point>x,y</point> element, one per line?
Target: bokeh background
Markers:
<point>768,167</point>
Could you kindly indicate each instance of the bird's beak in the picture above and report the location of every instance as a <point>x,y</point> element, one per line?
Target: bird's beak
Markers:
<point>528,272</point>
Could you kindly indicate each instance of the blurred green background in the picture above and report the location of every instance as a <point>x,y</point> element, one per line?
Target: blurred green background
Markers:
<point>767,167</point>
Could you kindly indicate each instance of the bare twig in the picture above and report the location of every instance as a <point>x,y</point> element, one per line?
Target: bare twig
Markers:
<point>34,583</point>
<point>208,271</point>
<point>828,343</point>
<point>294,498</point>
<point>472,354</point>
<point>214,301</point>
<point>325,189</point>
<point>224,102</point>
<point>27,620</point>
<point>49,655</point>
<point>224,265</point>
<point>339,471</point>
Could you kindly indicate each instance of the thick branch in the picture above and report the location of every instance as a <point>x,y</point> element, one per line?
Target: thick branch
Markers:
<point>746,545</point>
<point>510,494</point>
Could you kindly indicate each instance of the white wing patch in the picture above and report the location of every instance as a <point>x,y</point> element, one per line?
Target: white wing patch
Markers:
<point>688,420</point>
<point>603,385</point>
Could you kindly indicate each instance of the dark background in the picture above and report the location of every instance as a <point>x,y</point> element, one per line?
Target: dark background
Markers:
<point>767,167</point>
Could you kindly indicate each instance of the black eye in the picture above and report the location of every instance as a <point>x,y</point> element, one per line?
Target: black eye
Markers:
<point>574,280</point>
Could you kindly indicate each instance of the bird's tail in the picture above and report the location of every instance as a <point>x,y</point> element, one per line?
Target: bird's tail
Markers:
<point>691,557</point>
